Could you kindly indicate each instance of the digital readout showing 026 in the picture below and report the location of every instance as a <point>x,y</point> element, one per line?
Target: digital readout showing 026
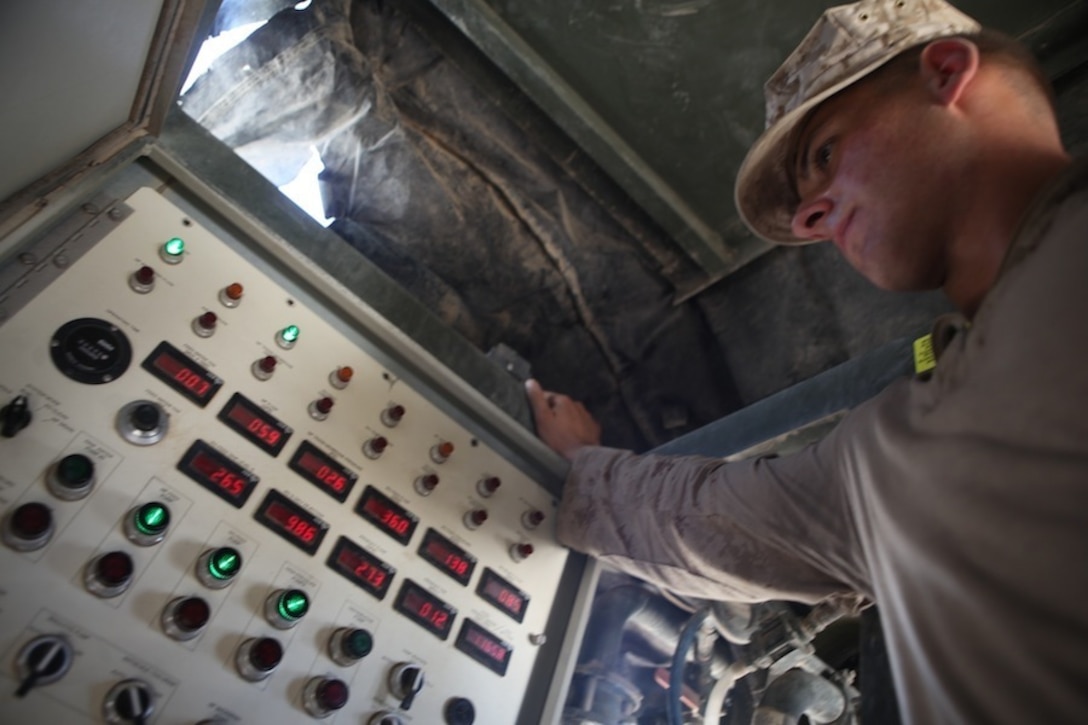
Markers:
<point>181,373</point>
<point>504,595</point>
<point>257,426</point>
<point>447,556</point>
<point>361,568</point>
<point>425,609</point>
<point>321,470</point>
<point>387,515</point>
<point>217,473</point>
<point>291,521</point>
<point>484,647</point>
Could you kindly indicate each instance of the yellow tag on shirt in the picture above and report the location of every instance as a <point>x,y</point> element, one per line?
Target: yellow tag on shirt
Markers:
<point>924,359</point>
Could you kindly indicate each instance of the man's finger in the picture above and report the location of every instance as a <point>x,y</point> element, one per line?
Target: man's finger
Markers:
<point>538,399</point>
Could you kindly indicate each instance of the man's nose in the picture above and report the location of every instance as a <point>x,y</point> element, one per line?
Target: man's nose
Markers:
<point>812,220</point>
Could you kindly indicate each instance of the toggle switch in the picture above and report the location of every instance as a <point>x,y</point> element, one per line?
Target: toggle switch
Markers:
<point>204,325</point>
<point>340,377</point>
<point>392,415</point>
<point>109,575</point>
<point>142,422</point>
<point>374,447</point>
<point>72,477</point>
<point>129,701</point>
<point>231,295</point>
<point>14,416</point>
<point>29,527</point>
<point>348,645</point>
<point>488,485</point>
<point>264,367</point>
<point>258,658</point>
<point>441,451</point>
<point>146,525</point>
<point>216,568</point>
<point>426,484</point>
<point>323,696</point>
<point>42,661</point>
<point>185,618</point>
<point>142,280</point>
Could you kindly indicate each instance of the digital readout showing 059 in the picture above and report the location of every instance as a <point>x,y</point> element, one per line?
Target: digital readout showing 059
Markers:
<point>291,521</point>
<point>217,473</point>
<point>361,568</point>
<point>425,609</point>
<point>387,515</point>
<point>503,594</point>
<point>447,556</point>
<point>321,470</point>
<point>484,647</point>
<point>181,373</point>
<point>257,426</point>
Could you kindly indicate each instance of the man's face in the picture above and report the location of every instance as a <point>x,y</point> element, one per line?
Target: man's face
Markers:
<point>869,180</point>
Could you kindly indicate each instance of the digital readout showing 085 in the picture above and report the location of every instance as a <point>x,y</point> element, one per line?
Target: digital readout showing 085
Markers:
<point>256,425</point>
<point>387,515</point>
<point>217,473</point>
<point>361,568</point>
<point>321,470</point>
<point>291,521</point>
<point>502,594</point>
<point>182,373</point>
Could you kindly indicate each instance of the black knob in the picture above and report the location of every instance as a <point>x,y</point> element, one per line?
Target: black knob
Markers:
<point>14,417</point>
<point>129,701</point>
<point>43,660</point>
<point>145,417</point>
<point>460,711</point>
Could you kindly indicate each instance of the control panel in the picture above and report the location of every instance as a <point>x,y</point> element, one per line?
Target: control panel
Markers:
<point>217,504</point>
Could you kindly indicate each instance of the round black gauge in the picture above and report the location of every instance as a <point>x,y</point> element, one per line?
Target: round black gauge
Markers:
<point>90,351</point>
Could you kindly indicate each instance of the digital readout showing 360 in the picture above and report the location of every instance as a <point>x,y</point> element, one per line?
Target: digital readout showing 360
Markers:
<point>321,470</point>
<point>181,373</point>
<point>217,473</point>
<point>387,515</point>
<point>256,425</point>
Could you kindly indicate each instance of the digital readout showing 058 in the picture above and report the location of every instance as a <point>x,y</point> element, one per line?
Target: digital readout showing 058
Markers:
<point>387,515</point>
<point>291,521</point>
<point>425,609</point>
<point>484,647</point>
<point>181,373</point>
<point>321,470</point>
<point>447,556</point>
<point>361,568</point>
<point>257,426</point>
<point>217,473</point>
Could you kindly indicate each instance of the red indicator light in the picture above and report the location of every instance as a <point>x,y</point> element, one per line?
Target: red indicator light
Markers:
<point>31,520</point>
<point>114,569</point>
<point>267,363</point>
<point>265,654</point>
<point>145,275</point>
<point>192,613</point>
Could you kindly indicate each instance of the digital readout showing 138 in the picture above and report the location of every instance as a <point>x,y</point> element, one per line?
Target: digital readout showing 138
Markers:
<point>256,425</point>
<point>321,470</point>
<point>447,556</point>
<point>386,514</point>
<point>291,521</point>
<point>182,373</point>
<point>217,473</point>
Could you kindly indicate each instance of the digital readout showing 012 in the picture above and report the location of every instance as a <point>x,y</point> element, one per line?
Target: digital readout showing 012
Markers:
<point>484,647</point>
<point>502,594</point>
<point>321,470</point>
<point>387,515</point>
<point>447,556</point>
<point>361,568</point>
<point>291,521</point>
<point>181,373</point>
<point>217,473</point>
<point>425,609</point>
<point>257,426</point>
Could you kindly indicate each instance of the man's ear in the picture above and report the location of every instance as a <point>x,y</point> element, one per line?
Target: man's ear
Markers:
<point>948,65</point>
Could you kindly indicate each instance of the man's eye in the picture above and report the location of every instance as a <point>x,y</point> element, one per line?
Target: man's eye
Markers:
<point>821,157</point>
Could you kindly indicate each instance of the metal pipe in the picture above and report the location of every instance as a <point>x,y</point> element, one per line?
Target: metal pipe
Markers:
<point>798,693</point>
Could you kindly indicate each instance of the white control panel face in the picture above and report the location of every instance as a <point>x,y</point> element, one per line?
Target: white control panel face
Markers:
<point>217,507</point>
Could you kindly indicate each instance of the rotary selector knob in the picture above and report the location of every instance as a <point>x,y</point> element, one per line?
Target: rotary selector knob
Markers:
<point>347,645</point>
<point>142,422</point>
<point>146,525</point>
<point>15,416</point>
<point>323,696</point>
<point>129,701</point>
<point>258,658</point>
<point>42,661</point>
<point>185,618</point>
<point>385,717</point>
<point>72,477</point>
<point>29,527</point>
<point>109,575</point>
<point>405,681</point>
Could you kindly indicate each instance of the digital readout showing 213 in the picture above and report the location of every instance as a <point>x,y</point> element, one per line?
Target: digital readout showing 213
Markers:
<point>321,470</point>
<point>291,521</point>
<point>256,425</point>
<point>182,373</point>
<point>217,473</point>
<point>361,568</point>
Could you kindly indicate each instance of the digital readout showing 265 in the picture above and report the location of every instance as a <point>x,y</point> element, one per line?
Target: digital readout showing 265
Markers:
<point>256,425</point>
<point>217,473</point>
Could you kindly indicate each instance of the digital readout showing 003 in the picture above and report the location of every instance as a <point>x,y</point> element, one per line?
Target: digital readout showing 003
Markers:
<point>257,426</point>
<point>321,470</point>
<point>181,373</point>
<point>425,609</point>
<point>504,595</point>
<point>291,521</point>
<point>447,556</point>
<point>217,473</point>
<point>361,568</point>
<point>484,647</point>
<point>387,515</point>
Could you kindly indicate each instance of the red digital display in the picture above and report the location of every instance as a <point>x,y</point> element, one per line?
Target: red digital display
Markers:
<point>447,556</point>
<point>291,521</point>
<point>181,373</point>
<point>254,424</point>
<point>361,567</point>
<point>321,470</point>
<point>484,647</point>
<point>387,515</point>
<point>502,594</point>
<point>425,609</point>
<point>217,473</point>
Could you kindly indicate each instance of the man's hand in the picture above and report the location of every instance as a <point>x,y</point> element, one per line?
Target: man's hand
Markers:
<point>562,423</point>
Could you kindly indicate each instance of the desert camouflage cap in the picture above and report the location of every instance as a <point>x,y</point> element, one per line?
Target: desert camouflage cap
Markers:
<point>847,43</point>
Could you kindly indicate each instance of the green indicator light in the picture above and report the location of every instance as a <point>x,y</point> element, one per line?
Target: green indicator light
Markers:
<point>152,518</point>
<point>293,604</point>
<point>290,333</point>
<point>224,563</point>
<point>175,247</point>
<point>358,643</point>
<point>75,469</point>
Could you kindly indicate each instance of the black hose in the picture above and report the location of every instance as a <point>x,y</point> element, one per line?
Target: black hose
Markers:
<point>679,658</point>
